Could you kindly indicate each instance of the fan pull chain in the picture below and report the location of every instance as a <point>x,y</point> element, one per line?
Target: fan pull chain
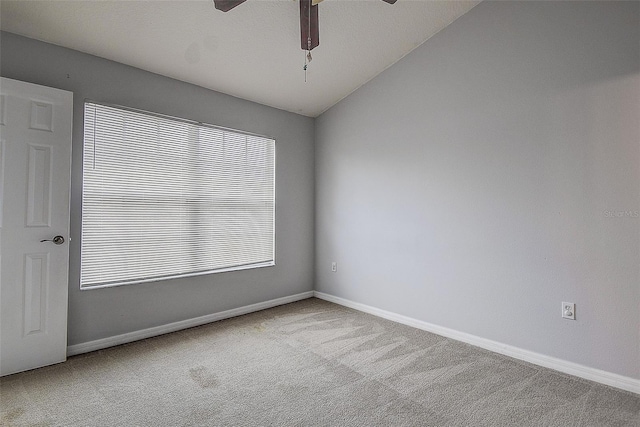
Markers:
<point>308,58</point>
<point>305,69</point>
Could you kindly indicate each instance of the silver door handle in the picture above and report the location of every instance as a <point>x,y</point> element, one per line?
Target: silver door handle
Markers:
<point>58,240</point>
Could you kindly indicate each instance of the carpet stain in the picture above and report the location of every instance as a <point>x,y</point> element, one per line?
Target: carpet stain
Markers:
<point>203,377</point>
<point>11,416</point>
<point>260,328</point>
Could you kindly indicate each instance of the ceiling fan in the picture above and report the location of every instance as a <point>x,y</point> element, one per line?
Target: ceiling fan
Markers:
<point>309,34</point>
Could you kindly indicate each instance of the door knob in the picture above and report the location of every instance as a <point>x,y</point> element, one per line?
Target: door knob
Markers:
<point>58,240</point>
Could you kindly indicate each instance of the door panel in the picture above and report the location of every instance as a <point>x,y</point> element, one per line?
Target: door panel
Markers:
<point>35,164</point>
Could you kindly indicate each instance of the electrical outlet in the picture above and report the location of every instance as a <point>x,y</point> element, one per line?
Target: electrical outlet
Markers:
<point>334,266</point>
<point>569,310</point>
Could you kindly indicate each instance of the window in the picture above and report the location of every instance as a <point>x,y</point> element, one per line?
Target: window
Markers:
<point>165,198</point>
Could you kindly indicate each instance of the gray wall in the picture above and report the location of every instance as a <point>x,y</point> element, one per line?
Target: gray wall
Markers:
<point>102,313</point>
<point>479,182</point>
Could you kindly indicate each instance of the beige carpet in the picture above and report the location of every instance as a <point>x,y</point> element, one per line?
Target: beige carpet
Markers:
<point>310,363</point>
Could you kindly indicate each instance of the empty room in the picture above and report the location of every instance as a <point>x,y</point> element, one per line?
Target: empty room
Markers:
<point>319,213</point>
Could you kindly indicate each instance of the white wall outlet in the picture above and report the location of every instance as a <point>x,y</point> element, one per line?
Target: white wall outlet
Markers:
<point>334,266</point>
<point>569,310</point>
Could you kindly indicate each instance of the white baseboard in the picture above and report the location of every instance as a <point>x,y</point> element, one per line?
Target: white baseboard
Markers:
<point>86,347</point>
<point>593,374</point>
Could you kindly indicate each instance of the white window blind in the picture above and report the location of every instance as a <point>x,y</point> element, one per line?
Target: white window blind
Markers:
<point>165,198</point>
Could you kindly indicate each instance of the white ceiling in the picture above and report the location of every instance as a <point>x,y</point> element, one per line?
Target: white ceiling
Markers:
<point>252,52</point>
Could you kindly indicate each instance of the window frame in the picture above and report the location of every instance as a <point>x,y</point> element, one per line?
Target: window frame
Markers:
<point>269,263</point>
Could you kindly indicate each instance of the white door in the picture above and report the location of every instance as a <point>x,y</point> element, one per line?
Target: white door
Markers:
<point>35,160</point>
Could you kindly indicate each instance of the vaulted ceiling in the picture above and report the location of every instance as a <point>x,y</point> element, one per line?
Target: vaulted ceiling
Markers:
<point>252,52</point>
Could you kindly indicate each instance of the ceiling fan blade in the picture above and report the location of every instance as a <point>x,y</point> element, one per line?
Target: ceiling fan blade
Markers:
<point>308,25</point>
<point>227,5</point>
<point>390,1</point>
